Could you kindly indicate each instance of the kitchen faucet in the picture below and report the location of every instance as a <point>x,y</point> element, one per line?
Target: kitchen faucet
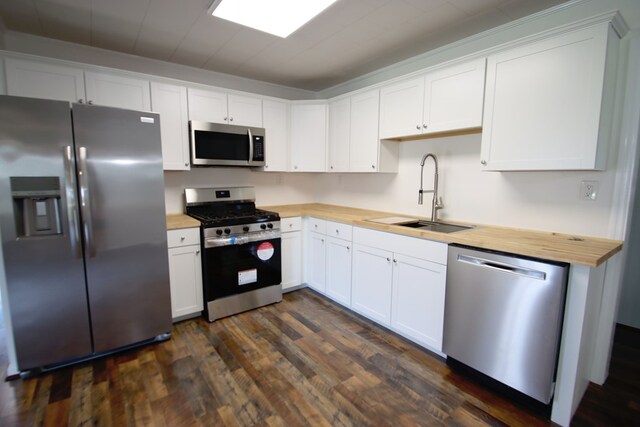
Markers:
<point>435,205</point>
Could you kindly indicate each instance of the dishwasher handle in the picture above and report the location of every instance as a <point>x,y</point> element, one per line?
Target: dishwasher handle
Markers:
<point>494,265</point>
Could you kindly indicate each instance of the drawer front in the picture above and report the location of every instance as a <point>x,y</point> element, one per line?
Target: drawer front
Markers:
<point>183,237</point>
<point>316,225</point>
<point>290,224</point>
<point>339,230</point>
<point>412,246</point>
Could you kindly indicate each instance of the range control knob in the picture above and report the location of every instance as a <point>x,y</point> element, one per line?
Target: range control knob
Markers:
<point>219,232</point>
<point>263,226</point>
<point>245,228</point>
<point>270,225</point>
<point>227,231</point>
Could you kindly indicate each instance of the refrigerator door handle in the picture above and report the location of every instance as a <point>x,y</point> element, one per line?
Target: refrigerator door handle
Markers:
<point>85,200</point>
<point>72,204</point>
<point>494,265</point>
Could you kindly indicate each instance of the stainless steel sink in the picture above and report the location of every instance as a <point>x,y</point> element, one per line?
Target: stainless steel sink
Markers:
<point>439,227</point>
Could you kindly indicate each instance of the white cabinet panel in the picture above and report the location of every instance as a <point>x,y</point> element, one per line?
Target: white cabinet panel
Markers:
<point>275,118</point>
<point>371,283</point>
<point>309,137</point>
<point>207,105</point>
<point>42,80</point>
<point>338,280</point>
<point>315,261</point>
<point>339,135</point>
<point>401,108</point>
<point>454,97</point>
<point>185,272</point>
<point>170,101</point>
<point>418,299</point>
<point>291,259</point>
<point>364,141</point>
<point>245,110</point>
<point>117,91</point>
<point>548,103</point>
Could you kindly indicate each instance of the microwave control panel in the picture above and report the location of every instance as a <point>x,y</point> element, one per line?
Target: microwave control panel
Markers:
<point>258,148</point>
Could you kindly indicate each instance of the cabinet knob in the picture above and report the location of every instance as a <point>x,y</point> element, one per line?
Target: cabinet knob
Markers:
<point>80,101</point>
<point>181,238</point>
<point>337,231</point>
<point>90,102</point>
<point>322,240</point>
<point>315,225</point>
<point>424,126</point>
<point>290,225</point>
<point>373,166</point>
<point>266,166</point>
<point>388,259</point>
<point>226,118</point>
<point>331,167</point>
<point>295,167</point>
<point>483,162</point>
<point>230,119</point>
<point>418,127</point>
<point>348,248</point>
<point>395,261</point>
<point>198,252</point>
<point>186,164</point>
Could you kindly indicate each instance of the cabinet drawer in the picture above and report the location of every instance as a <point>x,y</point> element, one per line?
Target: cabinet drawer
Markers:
<point>315,224</point>
<point>183,237</point>
<point>339,230</point>
<point>290,224</point>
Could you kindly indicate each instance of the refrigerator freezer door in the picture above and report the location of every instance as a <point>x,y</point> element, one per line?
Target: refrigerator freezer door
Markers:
<point>124,224</point>
<point>38,221</point>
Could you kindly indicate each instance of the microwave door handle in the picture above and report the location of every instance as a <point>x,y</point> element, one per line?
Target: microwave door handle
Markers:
<point>250,146</point>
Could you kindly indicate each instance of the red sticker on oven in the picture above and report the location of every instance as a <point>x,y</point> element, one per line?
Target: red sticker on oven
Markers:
<point>265,251</point>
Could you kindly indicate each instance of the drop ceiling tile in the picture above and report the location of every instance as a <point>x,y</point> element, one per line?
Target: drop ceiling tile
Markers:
<point>108,15</point>
<point>166,24</point>
<point>519,8</point>
<point>392,15</point>
<point>20,15</point>
<point>473,7</point>
<point>425,5</point>
<point>243,46</point>
<point>68,20</point>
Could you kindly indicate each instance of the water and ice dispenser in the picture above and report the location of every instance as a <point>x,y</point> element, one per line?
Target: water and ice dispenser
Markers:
<point>36,205</point>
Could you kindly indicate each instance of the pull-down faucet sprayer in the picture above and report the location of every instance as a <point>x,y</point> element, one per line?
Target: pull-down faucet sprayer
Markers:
<point>435,205</point>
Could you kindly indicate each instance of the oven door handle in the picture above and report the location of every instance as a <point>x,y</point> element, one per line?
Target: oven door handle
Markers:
<point>216,242</point>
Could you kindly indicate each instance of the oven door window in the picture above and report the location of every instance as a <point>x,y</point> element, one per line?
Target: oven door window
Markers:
<point>221,146</point>
<point>235,269</point>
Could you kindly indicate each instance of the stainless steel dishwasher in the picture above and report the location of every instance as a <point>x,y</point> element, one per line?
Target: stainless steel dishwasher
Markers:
<point>503,317</point>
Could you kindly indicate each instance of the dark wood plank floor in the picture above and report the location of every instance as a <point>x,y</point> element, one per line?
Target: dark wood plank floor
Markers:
<point>305,361</point>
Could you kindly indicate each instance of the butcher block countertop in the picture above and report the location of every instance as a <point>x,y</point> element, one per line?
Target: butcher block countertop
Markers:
<point>177,221</point>
<point>589,251</point>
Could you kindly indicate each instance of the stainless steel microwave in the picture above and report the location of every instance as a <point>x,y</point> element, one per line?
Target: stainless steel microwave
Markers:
<point>216,144</point>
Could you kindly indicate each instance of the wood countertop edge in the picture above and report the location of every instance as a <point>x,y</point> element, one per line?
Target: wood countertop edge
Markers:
<point>180,221</point>
<point>582,250</point>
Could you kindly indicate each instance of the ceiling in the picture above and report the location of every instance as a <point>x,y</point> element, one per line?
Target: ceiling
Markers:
<point>350,38</point>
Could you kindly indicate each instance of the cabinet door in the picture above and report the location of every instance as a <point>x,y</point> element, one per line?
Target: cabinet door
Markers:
<point>338,283</point>
<point>454,97</point>
<point>543,103</point>
<point>339,135</point>
<point>171,102</point>
<point>117,91</point>
<point>291,259</point>
<point>315,261</point>
<point>207,106</point>
<point>245,111</point>
<point>401,109</point>
<point>371,283</point>
<point>275,119</point>
<point>41,80</point>
<point>185,270</point>
<point>418,299</point>
<point>309,137</point>
<point>365,143</point>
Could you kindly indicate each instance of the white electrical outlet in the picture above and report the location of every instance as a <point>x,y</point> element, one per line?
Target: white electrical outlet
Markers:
<point>589,190</point>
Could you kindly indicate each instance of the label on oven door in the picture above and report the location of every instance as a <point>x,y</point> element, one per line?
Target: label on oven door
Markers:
<point>265,251</point>
<point>247,276</point>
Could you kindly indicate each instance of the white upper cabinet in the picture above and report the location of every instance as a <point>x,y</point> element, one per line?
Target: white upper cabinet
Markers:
<point>339,135</point>
<point>43,80</point>
<point>309,137</point>
<point>170,101</point>
<point>218,107</point>
<point>444,100</point>
<point>549,103</point>
<point>275,118</point>
<point>453,98</point>
<point>364,145</point>
<point>119,91</point>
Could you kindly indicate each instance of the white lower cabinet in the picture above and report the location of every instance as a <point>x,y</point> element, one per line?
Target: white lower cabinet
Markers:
<point>185,272</point>
<point>371,284</point>
<point>315,261</point>
<point>399,282</point>
<point>338,273</point>
<point>417,303</point>
<point>291,239</point>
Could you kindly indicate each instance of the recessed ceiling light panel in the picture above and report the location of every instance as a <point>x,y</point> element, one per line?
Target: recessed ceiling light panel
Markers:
<point>277,17</point>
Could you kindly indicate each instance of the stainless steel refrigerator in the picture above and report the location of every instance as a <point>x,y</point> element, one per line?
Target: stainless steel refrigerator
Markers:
<point>83,228</point>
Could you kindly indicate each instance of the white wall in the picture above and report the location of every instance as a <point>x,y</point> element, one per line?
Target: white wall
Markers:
<point>535,200</point>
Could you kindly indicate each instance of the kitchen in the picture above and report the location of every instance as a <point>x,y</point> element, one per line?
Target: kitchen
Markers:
<point>475,196</point>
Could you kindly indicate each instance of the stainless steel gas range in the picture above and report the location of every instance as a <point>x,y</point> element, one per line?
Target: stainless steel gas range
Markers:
<point>241,262</point>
